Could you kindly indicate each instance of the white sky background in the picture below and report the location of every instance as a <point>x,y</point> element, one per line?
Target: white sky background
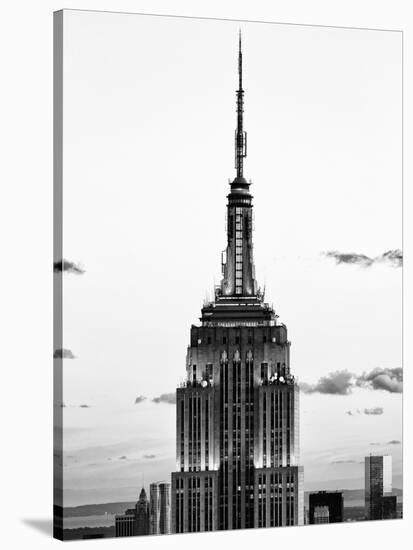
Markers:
<point>149,119</point>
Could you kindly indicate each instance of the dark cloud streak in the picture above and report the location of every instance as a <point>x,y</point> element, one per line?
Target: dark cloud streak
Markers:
<point>140,399</point>
<point>349,258</point>
<point>392,442</point>
<point>67,267</point>
<point>374,411</point>
<point>169,398</point>
<point>62,353</point>
<point>393,258</point>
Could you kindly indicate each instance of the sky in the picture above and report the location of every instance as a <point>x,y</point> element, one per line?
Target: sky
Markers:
<point>149,120</point>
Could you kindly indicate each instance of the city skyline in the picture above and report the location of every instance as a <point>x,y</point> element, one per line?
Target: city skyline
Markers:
<point>372,408</point>
<point>151,517</point>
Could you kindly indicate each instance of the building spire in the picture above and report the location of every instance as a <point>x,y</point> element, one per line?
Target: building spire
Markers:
<point>239,61</point>
<point>240,134</point>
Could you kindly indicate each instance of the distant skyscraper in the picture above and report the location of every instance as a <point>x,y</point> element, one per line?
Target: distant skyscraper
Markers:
<point>388,507</point>
<point>160,508</point>
<point>135,521</point>
<point>237,440</point>
<point>326,507</point>
<point>142,514</point>
<point>125,524</point>
<point>321,514</point>
<point>378,483</point>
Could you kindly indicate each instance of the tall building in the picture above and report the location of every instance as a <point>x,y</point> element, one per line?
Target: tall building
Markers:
<point>160,508</point>
<point>326,507</point>
<point>378,484</point>
<point>237,446</point>
<point>142,514</point>
<point>135,521</point>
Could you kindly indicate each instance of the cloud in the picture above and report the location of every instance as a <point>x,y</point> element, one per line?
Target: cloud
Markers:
<point>349,258</point>
<point>374,411</point>
<point>123,457</point>
<point>335,383</point>
<point>68,267</point>
<point>165,398</point>
<point>84,406</point>
<point>62,353</point>
<point>342,382</point>
<point>393,258</point>
<point>390,380</point>
<point>149,457</point>
<point>392,442</point>
<point>139,399</point>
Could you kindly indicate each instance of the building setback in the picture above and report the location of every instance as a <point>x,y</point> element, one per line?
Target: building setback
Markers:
<point>160,508</point>
<point>378,484</point>
<point>237,432</point>
<point>326,507</point>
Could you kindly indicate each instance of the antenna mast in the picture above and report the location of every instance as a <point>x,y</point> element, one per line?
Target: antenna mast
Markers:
<point>240,134</point>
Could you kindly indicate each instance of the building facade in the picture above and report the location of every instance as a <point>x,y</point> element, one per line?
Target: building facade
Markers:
<point>388,507</point>
<point>237,431</point>
<point>160,508</point>
<point>135,521</point>
<point>378,484</point>
<point>125,524</point>
<point>326,507</point>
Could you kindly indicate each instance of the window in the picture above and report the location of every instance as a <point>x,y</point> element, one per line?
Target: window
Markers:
<point>264,371</point>
<point>264,339</point>
<point>209,339</point>
<point>224,339</point>
<point>237,339</point>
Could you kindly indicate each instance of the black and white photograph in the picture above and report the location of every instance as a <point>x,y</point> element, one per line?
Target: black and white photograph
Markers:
<point>206,304</point>
<point>229,267</point>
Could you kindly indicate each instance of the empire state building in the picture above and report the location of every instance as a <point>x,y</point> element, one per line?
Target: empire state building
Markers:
<point>237,421</point>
